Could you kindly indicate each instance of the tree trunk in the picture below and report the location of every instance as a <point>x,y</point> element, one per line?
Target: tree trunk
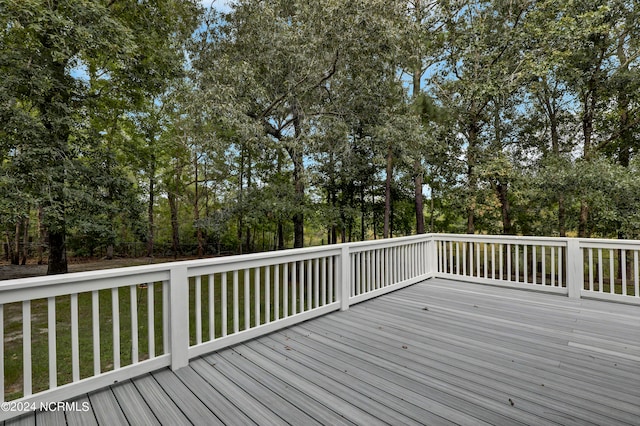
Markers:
<point>196,210</point>
<point>298,217</point>
<point>626,131</point>
<point>589,105</point>
<point>280,236</point>
<point>241,199</point>
<point>57,226</point>
<point>55,110</point>
<point>373,212</point>
<point>151,228</point>
<point>362,213</point>
<point>387,194</point>
<point>25,241</point>
<point>503,190</point>
<point>417,165</point>
<point>7,247</point>
<point>555,136</point>
<point>175,230</point>
<point>15,252</point>
<point>419,202</point>
<point>57,252</point>
<point>391,212</point>
<point>298,230</point>
<point>42,236</point>
<point>551,110</point>
<point>471,176</point>
<point>584,217</point>
<point>248,234</point>
<point>562,216</point>
<point>471,211</point>
<point>433,208</point>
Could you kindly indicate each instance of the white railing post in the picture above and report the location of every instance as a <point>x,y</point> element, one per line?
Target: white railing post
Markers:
<point>575,268</point>
<point>179,316</point>
<point>433,256</point>
<point>345,277</point>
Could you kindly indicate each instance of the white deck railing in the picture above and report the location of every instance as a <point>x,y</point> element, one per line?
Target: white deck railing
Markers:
<point>592,268</point>
<point>83,331</point>
<point>523,262</point>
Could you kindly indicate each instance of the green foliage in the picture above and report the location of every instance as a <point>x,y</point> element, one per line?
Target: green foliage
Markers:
<point>70,69</point>
<point>148,121</point>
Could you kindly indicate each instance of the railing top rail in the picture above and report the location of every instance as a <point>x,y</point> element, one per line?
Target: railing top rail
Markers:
<point>614,244</point>
<point>512,239</point>
<point>557,241</point>
<point>386,242</point>
<point>132,271</point>
<point>79,277</point>
<point>231,261</point>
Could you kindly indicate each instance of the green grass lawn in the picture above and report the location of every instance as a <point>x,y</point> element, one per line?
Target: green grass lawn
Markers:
<point>13,374</point>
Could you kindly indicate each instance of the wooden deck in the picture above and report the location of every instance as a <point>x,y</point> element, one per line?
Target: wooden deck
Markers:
<point>439,352</point>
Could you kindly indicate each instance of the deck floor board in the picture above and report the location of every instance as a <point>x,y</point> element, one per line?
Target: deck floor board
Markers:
<point>80,417</point>
<point>281,384</point>
<point>228,413</point>
<point>536,344</point>
<point>439,352</point>
<point>106,408</point>
<point>133,405</point>
<point>196,411</point>
<point>160,402</point>
<point>385,405</point>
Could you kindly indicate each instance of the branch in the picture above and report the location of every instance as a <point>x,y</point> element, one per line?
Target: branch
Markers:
<point>271,129</point>
<point>617,134</point>
<point>331,72</point>
<point>324,78</point>
<point>504,48</point>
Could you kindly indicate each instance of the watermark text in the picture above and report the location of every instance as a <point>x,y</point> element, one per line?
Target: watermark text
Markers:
<point>25,406</point>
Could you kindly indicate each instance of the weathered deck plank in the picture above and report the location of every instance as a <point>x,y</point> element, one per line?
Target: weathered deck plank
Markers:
<point>196,411</point>
<point>475,355</point>
<point>209,395</point>
<point>79,416</point>
<point>280,406</point>
<point>319,412</point>
<point>460,359</point>
<point>132,404</point>
<point>164,408</point>
<point>380,407</point>
<point>106,408</point>
<point>250,406</point>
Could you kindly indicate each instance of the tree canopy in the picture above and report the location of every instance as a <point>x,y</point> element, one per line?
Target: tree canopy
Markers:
<point>162,127</point>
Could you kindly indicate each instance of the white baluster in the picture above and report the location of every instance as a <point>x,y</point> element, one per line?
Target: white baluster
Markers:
<point>223,303</point>
<point>26,347</point>
<point>53,357</point>
<point>151,328</point>
<point>212,307</point>
<point>198,313</point>
<point>133,302</point>
<point>95,322</point>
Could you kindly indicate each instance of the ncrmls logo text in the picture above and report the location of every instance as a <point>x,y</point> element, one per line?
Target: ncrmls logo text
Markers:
<point>65,406</point>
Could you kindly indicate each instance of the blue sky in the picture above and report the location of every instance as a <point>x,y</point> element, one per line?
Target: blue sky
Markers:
<point>220,5</point>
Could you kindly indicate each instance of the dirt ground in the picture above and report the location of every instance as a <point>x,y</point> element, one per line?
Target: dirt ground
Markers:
<point>32,269</point>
